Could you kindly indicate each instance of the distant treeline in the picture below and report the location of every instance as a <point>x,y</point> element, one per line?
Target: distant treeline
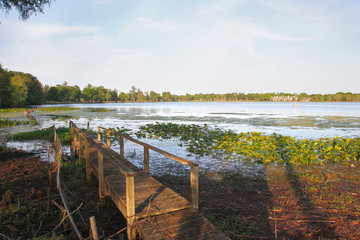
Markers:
<point>19,89</point>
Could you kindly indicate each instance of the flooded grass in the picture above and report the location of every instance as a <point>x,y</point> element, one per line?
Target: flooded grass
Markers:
<point>99,110</point>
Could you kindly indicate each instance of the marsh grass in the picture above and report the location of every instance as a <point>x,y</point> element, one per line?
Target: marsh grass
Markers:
<point>46,134</point>
<point>12,123</point>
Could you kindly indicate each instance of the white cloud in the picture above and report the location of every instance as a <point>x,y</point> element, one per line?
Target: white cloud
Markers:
<point>163,25</point>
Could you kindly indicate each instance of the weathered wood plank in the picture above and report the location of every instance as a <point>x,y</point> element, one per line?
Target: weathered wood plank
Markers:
<point>137,195</point>
<point>183,224</point>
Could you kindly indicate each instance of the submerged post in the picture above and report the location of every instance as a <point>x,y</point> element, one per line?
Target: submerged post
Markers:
<point>108,138</point>
<point>99,133</point>
<point>146,160</point>
<point>194,182</point>
<point>121,145</point>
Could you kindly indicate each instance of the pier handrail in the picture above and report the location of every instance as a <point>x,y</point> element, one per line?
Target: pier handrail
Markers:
<point>129,174</point>
<point>58,158</point>
<point>194,167</point>
<point>123,169</point>
<point>155,149</point>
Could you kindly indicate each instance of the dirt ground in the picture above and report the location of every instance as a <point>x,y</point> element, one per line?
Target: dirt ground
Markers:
<point>30,206</point>
<point>317,202</point>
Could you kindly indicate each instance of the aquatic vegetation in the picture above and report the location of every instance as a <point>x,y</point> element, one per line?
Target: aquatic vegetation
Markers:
<point>46,133</point>
<point>12,123</point>
<point>12,110</point>
<point>53,109</point>
<point>43,109</point>
<point>99,110</point>
<point>256,146</point>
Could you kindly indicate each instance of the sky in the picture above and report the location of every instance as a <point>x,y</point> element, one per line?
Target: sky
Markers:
<point>187,46</point>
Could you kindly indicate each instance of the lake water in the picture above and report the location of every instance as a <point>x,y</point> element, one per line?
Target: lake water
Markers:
<point>303,120</point>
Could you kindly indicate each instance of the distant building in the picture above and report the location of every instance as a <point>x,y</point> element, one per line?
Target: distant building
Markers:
<point>292,98</point>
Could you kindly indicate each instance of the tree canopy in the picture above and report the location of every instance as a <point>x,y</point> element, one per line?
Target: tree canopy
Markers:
<point>26,8</point>
<point>19,89</point>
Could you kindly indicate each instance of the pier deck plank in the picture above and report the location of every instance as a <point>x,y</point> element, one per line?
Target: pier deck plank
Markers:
<point>160,212</point>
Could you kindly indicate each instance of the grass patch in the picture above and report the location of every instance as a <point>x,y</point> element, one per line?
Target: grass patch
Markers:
<point>4,123</point>
<point>46,134</point>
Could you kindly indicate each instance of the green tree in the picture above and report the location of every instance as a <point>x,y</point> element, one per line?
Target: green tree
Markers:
<point>140,96</point>
<point>154,96</point>
<point>64,92</point>
<point>25,7</point>
<point>75,93</point>
<point>167,97</point>
<point>100,94</point>
<point>53,94</point>
<point>19,91</point>
<point>124,97</point>
<point>133,94</point>
<point>35,91</point>
<point>302,96</point>
<point>112,95</point>
<point>88,93</point>
<point>5,88</point>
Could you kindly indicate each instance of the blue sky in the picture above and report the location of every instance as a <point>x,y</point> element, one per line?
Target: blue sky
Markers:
<point>223,46</point>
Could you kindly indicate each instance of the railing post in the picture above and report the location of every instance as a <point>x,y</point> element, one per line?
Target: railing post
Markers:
<point>99,133</point>
<point>76,143</point>
<point>87,160</point>
<point>71,140</point>
<point>101,174</point>
<point>194,182</point>
<point>81,149</point>
<point>122,152</point>
<point>146,160</point>
<point>130,206</point>
<point>108,138</point>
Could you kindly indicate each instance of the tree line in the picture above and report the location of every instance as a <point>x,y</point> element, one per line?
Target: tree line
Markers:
<point>19,89</point>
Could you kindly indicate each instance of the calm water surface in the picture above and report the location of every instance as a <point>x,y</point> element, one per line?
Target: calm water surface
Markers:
<point>303,120</point>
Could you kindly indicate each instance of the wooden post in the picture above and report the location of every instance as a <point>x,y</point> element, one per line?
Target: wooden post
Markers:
<point>122,152</point>
<point>71,140</point>
<point>87,160</point>
<point>194,182</point>
<point>101,174</point>
<point>146,160</point>
<point>99,134</point>
<point>130,206</point>
<point>76,144</point>
<point>88,126</point>
<point>81,149</point>
<point>108,138</point>
<point>94,231</point>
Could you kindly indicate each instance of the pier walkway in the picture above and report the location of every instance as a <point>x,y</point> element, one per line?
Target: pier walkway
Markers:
<point>152,210</point>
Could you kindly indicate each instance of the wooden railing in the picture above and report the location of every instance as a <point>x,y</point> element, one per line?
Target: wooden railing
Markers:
<point>77,138</point>
<point>194,167</point>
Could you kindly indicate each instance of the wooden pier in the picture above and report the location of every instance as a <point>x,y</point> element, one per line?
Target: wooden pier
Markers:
<point>152,210</point>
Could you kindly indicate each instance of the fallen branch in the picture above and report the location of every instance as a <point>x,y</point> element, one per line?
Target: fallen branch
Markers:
<point>5,236</point>
<point>302,220</point>
<point>242,236</point>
